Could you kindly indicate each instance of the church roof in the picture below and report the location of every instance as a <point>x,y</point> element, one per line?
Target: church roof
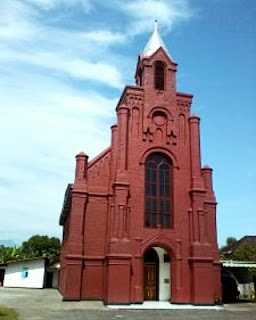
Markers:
<point>154,43</point>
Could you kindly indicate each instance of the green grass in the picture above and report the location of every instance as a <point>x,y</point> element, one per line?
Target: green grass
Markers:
<point>8,314</point>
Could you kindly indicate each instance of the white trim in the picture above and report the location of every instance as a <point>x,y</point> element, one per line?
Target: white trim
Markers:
<point>164,275</point>
<point>163,305</point>
<point>237,264</point>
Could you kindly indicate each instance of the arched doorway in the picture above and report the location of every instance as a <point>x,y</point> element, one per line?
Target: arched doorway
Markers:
<point>157,275</point>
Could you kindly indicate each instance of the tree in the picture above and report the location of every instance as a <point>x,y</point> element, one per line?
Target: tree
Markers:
<point>231,241</point>
<point>236,250</point>
<point>41,247</point>
<point>9,254</point>
<point>245,252</point>
<point>35,247</point>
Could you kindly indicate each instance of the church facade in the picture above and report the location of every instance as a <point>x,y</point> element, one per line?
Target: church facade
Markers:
<point>139,221</point>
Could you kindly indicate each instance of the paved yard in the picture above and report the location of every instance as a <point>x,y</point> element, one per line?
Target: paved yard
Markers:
<point>46,304</point>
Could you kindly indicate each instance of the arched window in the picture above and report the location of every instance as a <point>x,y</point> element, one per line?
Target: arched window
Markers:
<point>158,184</point>
<point>159,76</point>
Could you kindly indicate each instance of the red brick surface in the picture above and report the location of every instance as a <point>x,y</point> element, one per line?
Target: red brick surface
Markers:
<point>102,255</point>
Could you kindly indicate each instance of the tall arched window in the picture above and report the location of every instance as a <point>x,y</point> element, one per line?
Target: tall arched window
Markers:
<point>159,76</point>
<point>158,184</point>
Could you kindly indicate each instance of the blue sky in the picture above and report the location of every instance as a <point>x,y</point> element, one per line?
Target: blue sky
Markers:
<point>63,65</point>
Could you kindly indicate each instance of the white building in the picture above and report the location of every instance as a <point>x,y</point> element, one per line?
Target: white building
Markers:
<point>36,273</point>
<point>240,270</point>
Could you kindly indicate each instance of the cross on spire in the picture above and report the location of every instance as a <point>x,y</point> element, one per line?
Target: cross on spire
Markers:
<point>154,43</point>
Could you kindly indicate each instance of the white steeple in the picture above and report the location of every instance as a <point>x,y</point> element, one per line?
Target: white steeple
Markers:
<point>154,43</point>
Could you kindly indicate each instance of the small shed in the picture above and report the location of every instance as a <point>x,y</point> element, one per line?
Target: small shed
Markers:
<point>240,270</point>
<point>34,273</point>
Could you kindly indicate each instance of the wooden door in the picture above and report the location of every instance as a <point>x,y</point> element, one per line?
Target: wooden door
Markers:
<point>150,281</point>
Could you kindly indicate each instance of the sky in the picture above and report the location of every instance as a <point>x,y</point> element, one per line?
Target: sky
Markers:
<point>63,66</point>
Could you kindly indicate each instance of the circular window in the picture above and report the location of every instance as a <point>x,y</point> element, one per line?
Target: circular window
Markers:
<point>159,118</point>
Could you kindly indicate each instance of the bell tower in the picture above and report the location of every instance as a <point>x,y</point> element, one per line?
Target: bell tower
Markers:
<point>156,69</point>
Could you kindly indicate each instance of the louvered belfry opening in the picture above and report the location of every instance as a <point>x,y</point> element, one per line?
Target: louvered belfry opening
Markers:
<point>159,76</point>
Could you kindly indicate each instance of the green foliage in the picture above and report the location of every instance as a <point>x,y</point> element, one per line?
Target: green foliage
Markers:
<point>245,252</point>
<point>9,254</point>
<point>35,247</point>
<point>41,246</point>
<point>8,314</point>
<point>230,241</point>
<point>253,274</point>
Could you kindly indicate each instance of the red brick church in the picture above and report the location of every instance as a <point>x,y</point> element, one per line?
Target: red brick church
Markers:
<point>139,221</point>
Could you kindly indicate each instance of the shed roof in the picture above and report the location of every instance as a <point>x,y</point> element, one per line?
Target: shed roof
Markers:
<point>238,264</point>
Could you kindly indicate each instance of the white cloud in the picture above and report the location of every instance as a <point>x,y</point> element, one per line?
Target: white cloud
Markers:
<point>144,12</point>
<point>94,71</point>
<point>104,37</point>
<point>51,4</point>
<point>47,114</point>
<point>75,67</point>
<point>47,111</point>
<point>43,124</point>
<point>15,20</point>
<point>27,40</point>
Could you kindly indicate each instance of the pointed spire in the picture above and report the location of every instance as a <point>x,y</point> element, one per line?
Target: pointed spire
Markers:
<point>154,43</point>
